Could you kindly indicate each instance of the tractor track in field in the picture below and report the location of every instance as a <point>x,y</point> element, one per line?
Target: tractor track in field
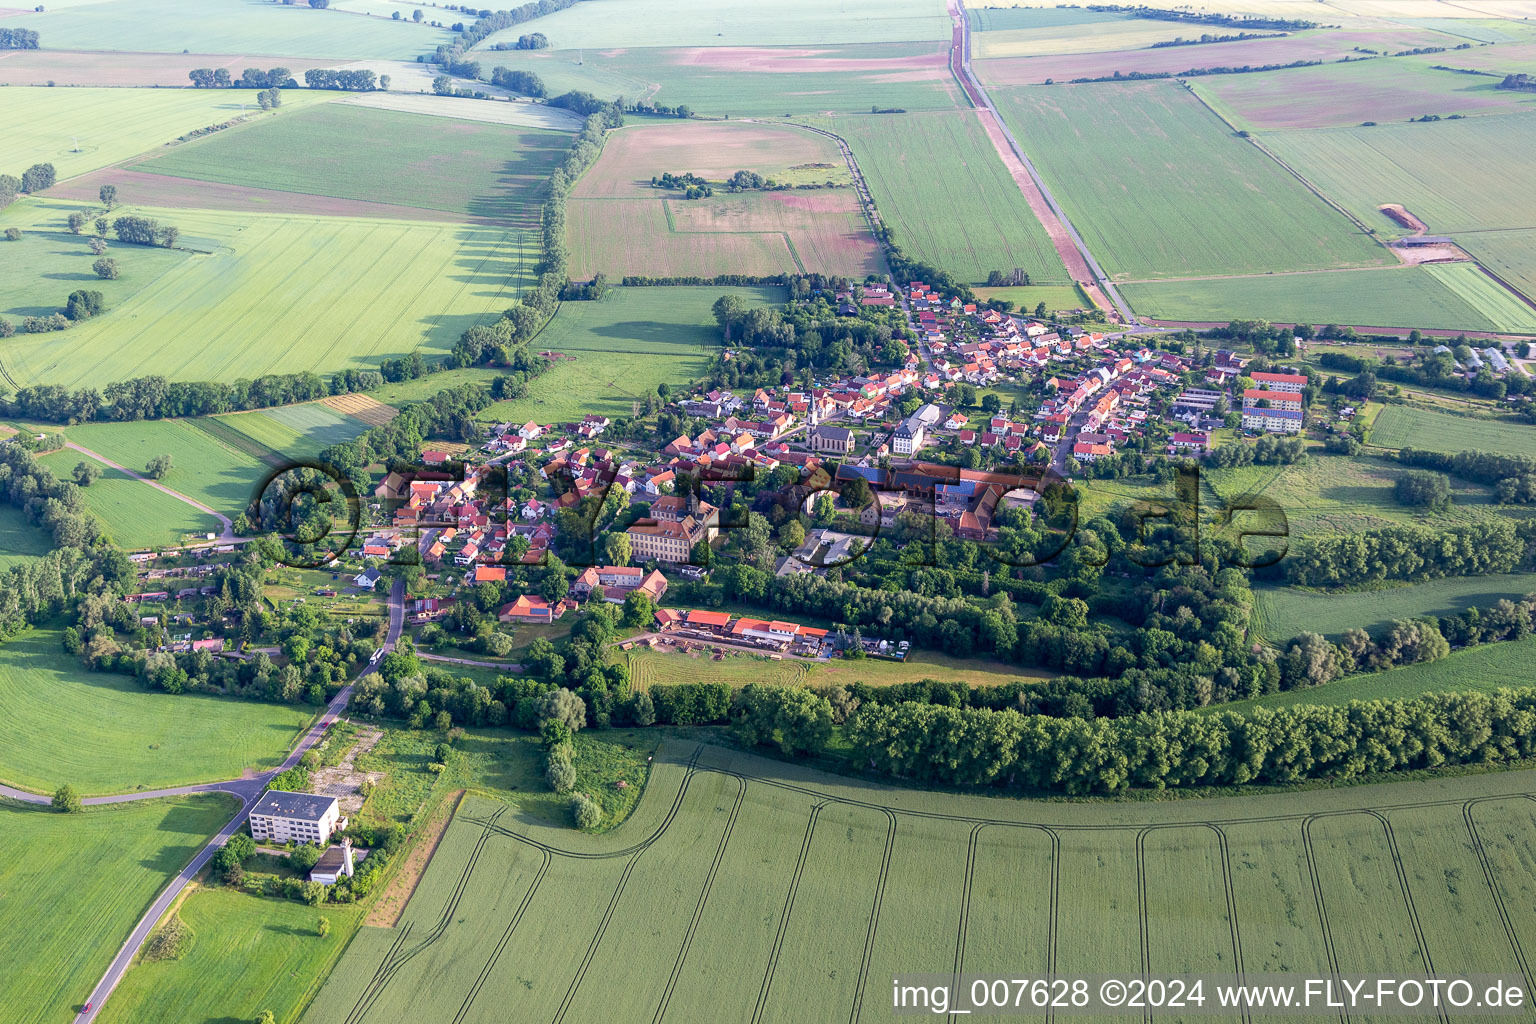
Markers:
<point>1319,902</point>
<point>389,968</point>
<point>789,908</point>
<point>506,936</point>
<point>1489,873</point>
<point>698,910</point>
<point>874,918</point>
<point>1407,891</point>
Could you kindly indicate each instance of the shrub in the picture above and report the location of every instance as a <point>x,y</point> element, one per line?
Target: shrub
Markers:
<point>560,774</point>
<point>13,234</point>
<point>585,812</point>
<point>67,801</point>
<point>170,942</point>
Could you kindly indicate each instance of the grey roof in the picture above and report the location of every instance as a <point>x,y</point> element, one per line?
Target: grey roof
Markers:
<point>303,806</point>
<point>835,433</point>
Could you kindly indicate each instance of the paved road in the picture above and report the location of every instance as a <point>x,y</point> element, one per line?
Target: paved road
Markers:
<point>229,532</point>
<point>247,790</point>
<point>978,93</point>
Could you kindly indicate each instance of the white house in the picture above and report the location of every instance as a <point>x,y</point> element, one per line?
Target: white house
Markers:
<point>301,817</point>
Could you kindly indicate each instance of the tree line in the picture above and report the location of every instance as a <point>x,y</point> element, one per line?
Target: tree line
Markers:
<point>250,78</point>
<point>361,80</point>
<point>1177,749</point>
<point>490,22</point>
<point>1413,553</point>
<point>155,397</point>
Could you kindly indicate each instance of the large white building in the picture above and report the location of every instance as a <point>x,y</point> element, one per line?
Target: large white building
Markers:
<point>300,817</point>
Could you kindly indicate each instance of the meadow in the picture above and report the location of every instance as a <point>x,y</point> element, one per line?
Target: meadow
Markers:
<point>1403,427</point>
<point>20,541</point>
<point>203,468</point>
<point>296,431</point>
<point>75,884</point>
<point>473,169</point>
<point>40,269</point>
<point>1452,296</point>
<point>1284,612</point>
<point>744,889</point>
<point>939,185</point>
<point>79,130</point>
<point>1424,167</point>
<point>624,345</point>
<point>1055,296</point>
<point>134,514</point>
<point>247,954</point>
<point>1204,202</point>
<point>1474,669</point>
<point>103,732</point>
<point>229,27</point>
<point>256,301</point>
<point>621,24</point>
<point>1347,94</point>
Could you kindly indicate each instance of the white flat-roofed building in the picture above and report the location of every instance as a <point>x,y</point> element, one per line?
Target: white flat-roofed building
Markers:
<point>301,817</point>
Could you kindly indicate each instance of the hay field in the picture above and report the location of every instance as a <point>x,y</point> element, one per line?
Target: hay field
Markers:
<point>133,514</point>
<point>471,169</point>
<point>42,125</point>
<point>371,411</point>
<point>102,732</point>
<point>1079,37</point>
<point>1448,296</point>
<point>1401,427</point>
<point>20,541</point>
<point>622,24</point>
<point>746,889</point>
<point>1203,203</point>
<point>1347,94</point>
<point>257,302</point>
<point>950,201</point>
<point>229,27</point>
<point>89,877</point>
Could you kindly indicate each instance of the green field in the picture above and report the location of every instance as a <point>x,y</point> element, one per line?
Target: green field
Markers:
<point>1454,296</point>
<point>134,514</point>
<point>471,168</point>
<point>599,24</point>
<point>744,889</point>
<point>296,430</point>
<point>948,198</point>
<point>1481,669</point>
<point>228,26</point>
<point>1284,612</point>
<point>20,541</point>
<point>1186,197</point>
<point>202,467</point>
<point>1511,254</point>
<point>1027,297</point>
<point>39,270</point>
<point>279,294</point>
<point>102,732</point>
<point>1001,19</point>
<point>763,82</point>
<point>1072,37</point>
<point>1401,427</point>
<point>1346,94</point>
<point>1423,167</point>
<point>1332,494</point>
<point>75,884</point>
<point>648,668</point>
<point>624,344</point>
<point>79,130</point>
<point>247,954</point>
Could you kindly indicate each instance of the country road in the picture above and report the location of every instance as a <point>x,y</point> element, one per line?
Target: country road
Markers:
<point>993,121</point>
<point>224,521</point>
<point>246,790</point>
